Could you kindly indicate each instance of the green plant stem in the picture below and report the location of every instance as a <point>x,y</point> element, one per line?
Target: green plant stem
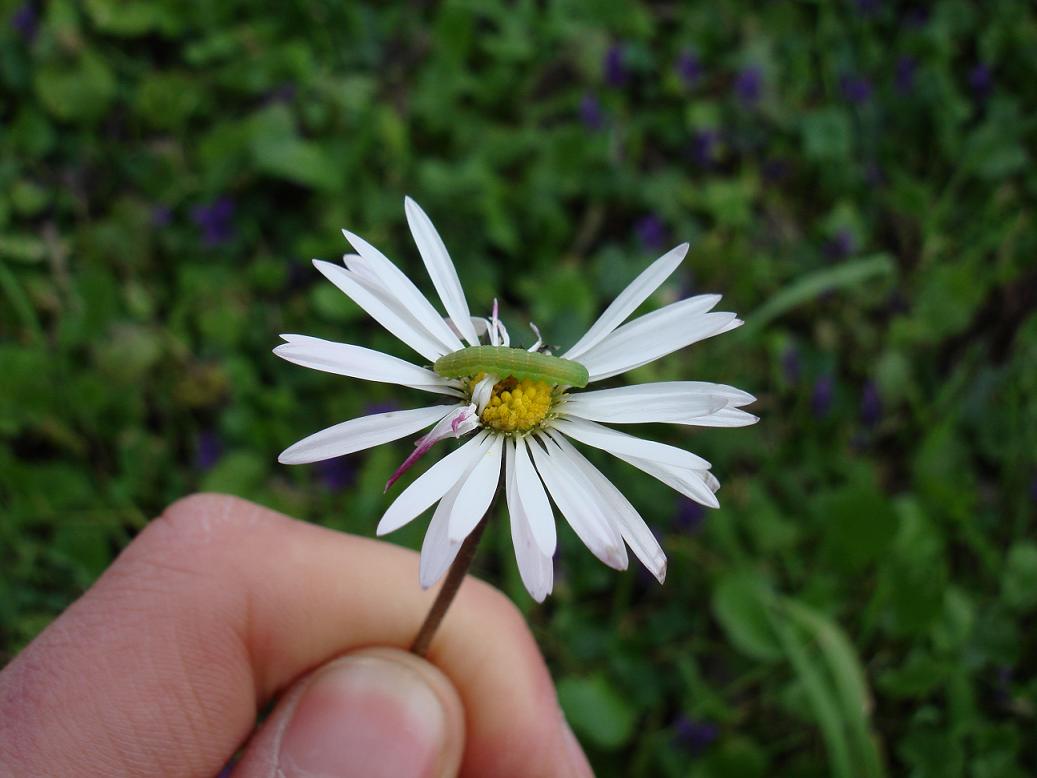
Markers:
<point>454,578</point>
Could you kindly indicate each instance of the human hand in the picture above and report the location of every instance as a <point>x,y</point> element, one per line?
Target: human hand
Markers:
<point>220,606</point>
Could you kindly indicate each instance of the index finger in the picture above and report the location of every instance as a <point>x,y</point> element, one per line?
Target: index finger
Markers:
<point>217,606</point>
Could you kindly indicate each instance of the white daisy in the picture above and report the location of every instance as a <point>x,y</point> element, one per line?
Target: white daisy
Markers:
<point>522,409</point>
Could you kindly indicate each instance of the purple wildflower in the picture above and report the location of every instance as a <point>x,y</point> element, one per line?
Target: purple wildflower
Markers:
<point>776,169</point>
<point>841,245</point>
<point>614,66</point>
<point>208,450</point>
<point>916,18</point>
<point>981,80</point>
<point>690,516</point>
<point>871,405</point>
<point>791,365</point>
<point>26,21</point>
<point>337,473</point>
<point>749,84</point>
<point>215,220</point>
<point>283,93</point>
<point>695,736</point>
<point>689,68</point>
<point>822,396</point>
<point>651,231</point>
<point>590,112</point>
<point>905,74</point>
<point>703,147</point>
<point>161,215</point>
<point>873,174</point>
<point>856,89</point>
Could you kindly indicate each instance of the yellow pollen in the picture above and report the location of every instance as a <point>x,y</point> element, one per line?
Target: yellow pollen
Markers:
<point>517,406</point>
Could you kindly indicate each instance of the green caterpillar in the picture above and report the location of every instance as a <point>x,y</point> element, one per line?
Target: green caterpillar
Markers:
<point>503,362</point>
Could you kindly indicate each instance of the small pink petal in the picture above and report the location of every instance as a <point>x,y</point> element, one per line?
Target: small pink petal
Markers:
<point>420,448</point>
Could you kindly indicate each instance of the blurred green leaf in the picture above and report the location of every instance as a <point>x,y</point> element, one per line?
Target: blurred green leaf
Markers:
<point>848,276</point>
<point>596,710</point>
<point>1019,581</point>
<point>740,603</point>
<point>827,135</point>
<point>78,91</point>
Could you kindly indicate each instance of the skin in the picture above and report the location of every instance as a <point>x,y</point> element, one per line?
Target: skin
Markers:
<point>220,606</point>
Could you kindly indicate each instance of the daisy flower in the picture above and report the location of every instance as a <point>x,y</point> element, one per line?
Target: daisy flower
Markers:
<point>521,410</point>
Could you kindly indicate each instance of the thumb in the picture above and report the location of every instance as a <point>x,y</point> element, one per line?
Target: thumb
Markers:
<point>375,712</point>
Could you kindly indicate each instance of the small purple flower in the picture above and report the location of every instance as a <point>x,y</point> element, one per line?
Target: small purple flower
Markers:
<point>689,68</point>
<point>283,93</point>
<point>695,736</point>
<point>208,450</point>
<point>841,245</point>
<point>614,66</point>
<point>856,89</point>
<point>905,74</point>
<point>161,216</point>
<point>215,220</point>
<point>26,21</point>
<point>591,113</point>
<point>916,18</point>
<point>337,473</point>
<point>791,365</point>
<point>651,231</point>
<point>981,80</point>
<point>868,7</point>
<point>690,516</point>
<point>822,396</point>
<point>871,405</point>
<point>873,174</point>
<point>703,148</point>
<point>749,84</point>
<point>776,169</point>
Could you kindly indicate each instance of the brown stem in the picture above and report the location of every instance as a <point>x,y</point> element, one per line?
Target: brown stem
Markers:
<point>453,581</point>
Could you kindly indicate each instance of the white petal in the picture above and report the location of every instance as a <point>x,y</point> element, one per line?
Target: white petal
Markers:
<point>440,269</point>
<point>622,407</point>
<point>482,392</point>
<point>431,485</point>
<point>666,390</point>
<point>628,300</point>
<point>577,503</point>
<point>364,296</point>
<point>437,550</point>
<point>356,264</point>
<point>359,362</point>
<point>726,417</point>
<point>620,443</point>
<point>711,481</point>
<point>396,281</point>
<point>364,432</point>
<point>655,335</point>
<point>535,504</point>
<point>694,484</point>
<point>477,492</point>
<point>632,527</point>
<point>535,567</point>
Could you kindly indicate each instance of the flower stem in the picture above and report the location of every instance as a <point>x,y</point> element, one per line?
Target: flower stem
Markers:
<point>453,581</point>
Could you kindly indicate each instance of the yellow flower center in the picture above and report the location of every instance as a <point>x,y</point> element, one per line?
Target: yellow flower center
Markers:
<point>517,406</point>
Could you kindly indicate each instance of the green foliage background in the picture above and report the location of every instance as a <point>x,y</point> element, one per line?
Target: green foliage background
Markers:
<point>859,604</point>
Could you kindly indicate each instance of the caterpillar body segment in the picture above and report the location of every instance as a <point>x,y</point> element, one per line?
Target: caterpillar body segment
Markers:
<point>503,361</point>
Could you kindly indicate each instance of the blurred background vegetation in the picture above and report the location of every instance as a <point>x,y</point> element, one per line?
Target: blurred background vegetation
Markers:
<point>855,177</point>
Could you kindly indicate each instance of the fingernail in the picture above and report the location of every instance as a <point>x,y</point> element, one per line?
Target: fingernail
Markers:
<point>365,716</point>
<point>578,764</point>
